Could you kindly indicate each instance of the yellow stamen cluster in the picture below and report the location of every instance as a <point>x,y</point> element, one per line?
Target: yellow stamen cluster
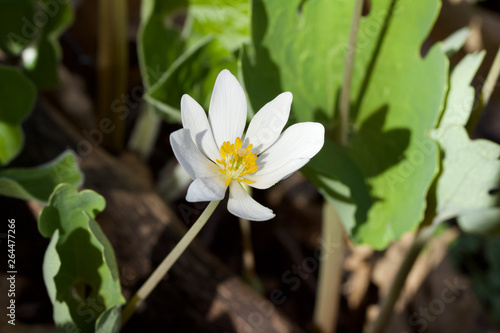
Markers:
<point>237,162</point>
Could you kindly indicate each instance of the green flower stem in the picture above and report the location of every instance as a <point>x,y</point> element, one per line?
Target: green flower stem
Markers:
<point>167,263</point>
<point>345,96</point>
<point>423,235</point>
<point>330,272</point>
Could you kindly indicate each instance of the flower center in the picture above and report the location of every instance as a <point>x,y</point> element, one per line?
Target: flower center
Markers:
<point>237,162</point>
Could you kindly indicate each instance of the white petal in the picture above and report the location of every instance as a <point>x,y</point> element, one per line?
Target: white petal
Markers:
<point>243,205</point>
<point>267,124</point>
<point>195,120</point>
<point>294,148</point>
<point>192,160</point>
<point>228,109</point>
<point>206,189</point>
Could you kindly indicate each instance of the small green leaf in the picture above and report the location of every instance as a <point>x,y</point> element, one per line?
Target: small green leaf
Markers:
<point>79,269</point>
<point>460,97</point>
<point>469,183</point>
<point>38,183</point>
<point>470,178</point>
<point>18,96</point>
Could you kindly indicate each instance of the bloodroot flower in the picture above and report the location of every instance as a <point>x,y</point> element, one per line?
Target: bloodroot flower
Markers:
<point>217,156</point>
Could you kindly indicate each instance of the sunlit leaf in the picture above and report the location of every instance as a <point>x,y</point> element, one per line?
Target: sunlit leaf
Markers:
<point>455,41</point>
<point>38,183</point>
<point>468,185</point>
<point>396,96</point>
<point>79,269</point>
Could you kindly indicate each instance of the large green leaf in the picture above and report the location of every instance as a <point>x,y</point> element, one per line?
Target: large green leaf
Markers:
<point>469,183</point>
<point>305,40</point>
<point>38,183</point>
<point>18,96</point>
<point>396,97</point>
<point>395,155</point>
<point>79,268</point>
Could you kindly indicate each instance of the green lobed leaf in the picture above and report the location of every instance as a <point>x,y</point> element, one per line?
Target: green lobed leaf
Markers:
<point>460,99</point>
<point>38,183</point>
<point>18,96</point>
<point>396,96</point>
<point>305,40</point>
<point>471,171</point>
<point>395,154</point>
<point>79,269</point>
<point>469,183</point>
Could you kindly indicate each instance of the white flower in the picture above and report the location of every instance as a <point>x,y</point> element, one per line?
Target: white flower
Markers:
<point>216,157</point>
